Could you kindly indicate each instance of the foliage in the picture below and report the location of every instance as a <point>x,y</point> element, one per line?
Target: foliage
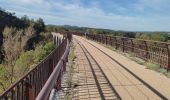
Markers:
<point>40,52</point>
<point>48,47</point>
<point>23,64</point>
<point>39,26</point>
<point>23,43</point>
<point>4,78</point>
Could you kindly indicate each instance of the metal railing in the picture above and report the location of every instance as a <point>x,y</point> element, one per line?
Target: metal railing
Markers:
<point>44,74</point>
<point>153,51</point>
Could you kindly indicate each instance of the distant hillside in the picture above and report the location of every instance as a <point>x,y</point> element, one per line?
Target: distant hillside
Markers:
<point>156,36</point>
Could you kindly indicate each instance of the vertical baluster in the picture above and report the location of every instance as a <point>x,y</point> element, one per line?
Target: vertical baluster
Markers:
<point>123,44</point>
<point>167,45</point>
<point>22,90</point>
<point>132,45</point>
<point>146,51</point>
<point>116,43</point>
<point>28,90</point>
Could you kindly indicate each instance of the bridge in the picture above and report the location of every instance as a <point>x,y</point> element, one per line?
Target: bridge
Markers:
<point>100,73</point>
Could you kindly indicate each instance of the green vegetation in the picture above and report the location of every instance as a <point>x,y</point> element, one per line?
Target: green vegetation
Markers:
<point>157,68</point>
<point>41,52</point>
<point>152,66</point>
<point>69,82</point>
<point>71,67</point>
<point>23,44</point>
<point>25,62</point>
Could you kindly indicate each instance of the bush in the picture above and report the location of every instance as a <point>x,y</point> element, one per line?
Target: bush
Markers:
<point>2,70</point>
<point>23,64</point>
<point>4,81</point>
<point>49,47</point>
<point>41,52</point>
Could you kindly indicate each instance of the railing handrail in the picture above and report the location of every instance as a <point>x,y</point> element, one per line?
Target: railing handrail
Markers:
<point>49,85</point>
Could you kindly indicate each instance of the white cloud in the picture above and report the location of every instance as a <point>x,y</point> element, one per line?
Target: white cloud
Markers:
<point>75,14</point>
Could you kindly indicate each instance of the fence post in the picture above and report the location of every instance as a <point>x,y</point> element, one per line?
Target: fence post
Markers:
<point>28,91</point>
<point>51,65</point>
<point>168,57</point>
<point>110,40</point>
<point>123,44</point>
<point>54,40</point>
<point>102,39</point>
<point>132,45</point>
<point>116,43</point>
<point>57,41</point>
<point>146,50</point>
<point>106,39</point>
<point>58,82</point>
<point>64,65</point>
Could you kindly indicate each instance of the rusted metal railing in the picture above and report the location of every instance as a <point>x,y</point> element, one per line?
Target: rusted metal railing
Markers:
<point>54,81</point>
<point>45,75</point>
<point>153,51</point>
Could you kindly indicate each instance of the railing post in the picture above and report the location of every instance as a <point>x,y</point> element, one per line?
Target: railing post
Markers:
<point>102,39</point>
<point>51,66</point>
<point>58,82</point>
<point>57,41</point>
<point>54,40</point>
<point>132,45</point>
<point>146,50</point>
<point>123,44</point>
<point>64,65</point>
<point>28,91</point>
<point>106,40</point>
<point>110,40</point>
<point>168,50</point>
<point>116,47</point>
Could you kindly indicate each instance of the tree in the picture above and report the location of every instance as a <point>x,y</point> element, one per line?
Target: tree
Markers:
<point>39,26</point>
<point>13,45</point>
<point>26,20</point>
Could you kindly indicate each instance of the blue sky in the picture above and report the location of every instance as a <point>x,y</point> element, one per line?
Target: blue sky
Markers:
<point>131,15</point>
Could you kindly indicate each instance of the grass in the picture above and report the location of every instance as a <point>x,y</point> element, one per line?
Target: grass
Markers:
<point>69,82</point>
<point>71,67</point>
<point>149,65</point>
<point>152,66</point>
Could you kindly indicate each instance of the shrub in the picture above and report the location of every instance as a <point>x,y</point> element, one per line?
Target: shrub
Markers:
<point>41,52</point>
<point>49,47</point>
<point>23,64</point>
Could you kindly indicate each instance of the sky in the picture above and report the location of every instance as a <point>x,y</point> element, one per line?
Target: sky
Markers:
<point>128,15</point>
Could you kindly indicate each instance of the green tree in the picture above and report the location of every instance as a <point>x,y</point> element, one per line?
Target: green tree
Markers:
<point>39,26</point>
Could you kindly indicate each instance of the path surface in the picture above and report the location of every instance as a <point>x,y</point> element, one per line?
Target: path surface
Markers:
<point>100,67</point>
